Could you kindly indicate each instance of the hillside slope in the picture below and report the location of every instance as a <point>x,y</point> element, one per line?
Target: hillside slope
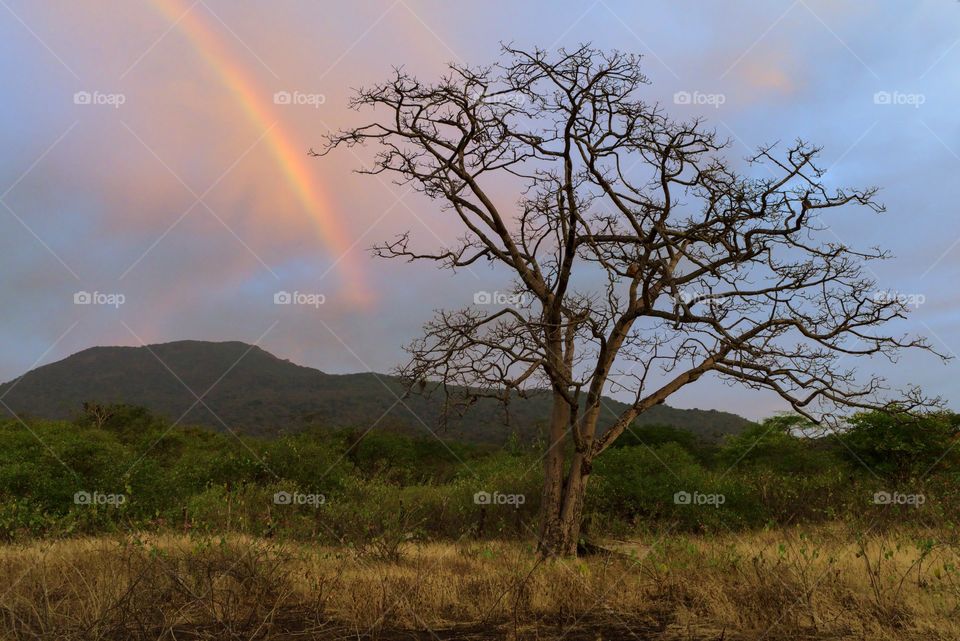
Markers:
<point>251,391</point>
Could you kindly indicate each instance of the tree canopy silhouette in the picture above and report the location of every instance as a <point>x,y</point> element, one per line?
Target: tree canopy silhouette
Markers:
<point>644,258</point>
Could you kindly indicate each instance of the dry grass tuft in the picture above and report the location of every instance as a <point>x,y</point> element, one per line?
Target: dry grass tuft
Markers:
<point>770,585</point>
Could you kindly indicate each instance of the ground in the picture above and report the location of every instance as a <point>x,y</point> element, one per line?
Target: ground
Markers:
<point>822,583</point>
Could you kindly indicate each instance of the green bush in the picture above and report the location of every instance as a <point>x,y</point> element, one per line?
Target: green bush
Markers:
<point>382,489</point>
<point>640,486</point>
<point>900,447</point>
<point>778,444</point>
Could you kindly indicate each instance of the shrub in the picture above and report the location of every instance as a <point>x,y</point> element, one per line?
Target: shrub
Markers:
<point>901,447</point>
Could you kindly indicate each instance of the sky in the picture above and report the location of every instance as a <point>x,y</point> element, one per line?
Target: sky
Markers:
<point>154,156</point>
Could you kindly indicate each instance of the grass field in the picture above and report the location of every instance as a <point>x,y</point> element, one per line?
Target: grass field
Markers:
<point>825,583</point>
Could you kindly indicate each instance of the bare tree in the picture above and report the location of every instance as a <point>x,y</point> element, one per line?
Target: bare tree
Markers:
<point>98,414</point>
<point>646,260</point>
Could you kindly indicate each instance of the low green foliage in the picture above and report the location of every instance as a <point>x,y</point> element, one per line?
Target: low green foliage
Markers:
<point>903,447</point>
<point>125,469</point>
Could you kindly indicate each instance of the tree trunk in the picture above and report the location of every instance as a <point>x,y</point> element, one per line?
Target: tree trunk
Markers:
<point>562,517</point>
<point>573,497</point>
<point>551,500</point>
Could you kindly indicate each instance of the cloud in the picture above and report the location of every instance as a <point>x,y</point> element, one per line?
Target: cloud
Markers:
<point>102,198</point>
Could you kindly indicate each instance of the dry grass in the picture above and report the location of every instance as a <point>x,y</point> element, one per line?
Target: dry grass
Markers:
<point>771,585</point>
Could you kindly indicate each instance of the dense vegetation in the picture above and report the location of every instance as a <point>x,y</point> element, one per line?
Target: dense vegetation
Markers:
<point>380,488</point>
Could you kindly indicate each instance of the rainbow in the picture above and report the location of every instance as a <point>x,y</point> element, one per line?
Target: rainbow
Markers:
<point>292,160</point>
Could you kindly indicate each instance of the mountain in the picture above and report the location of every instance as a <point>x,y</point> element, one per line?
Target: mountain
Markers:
<point>252,391</point>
